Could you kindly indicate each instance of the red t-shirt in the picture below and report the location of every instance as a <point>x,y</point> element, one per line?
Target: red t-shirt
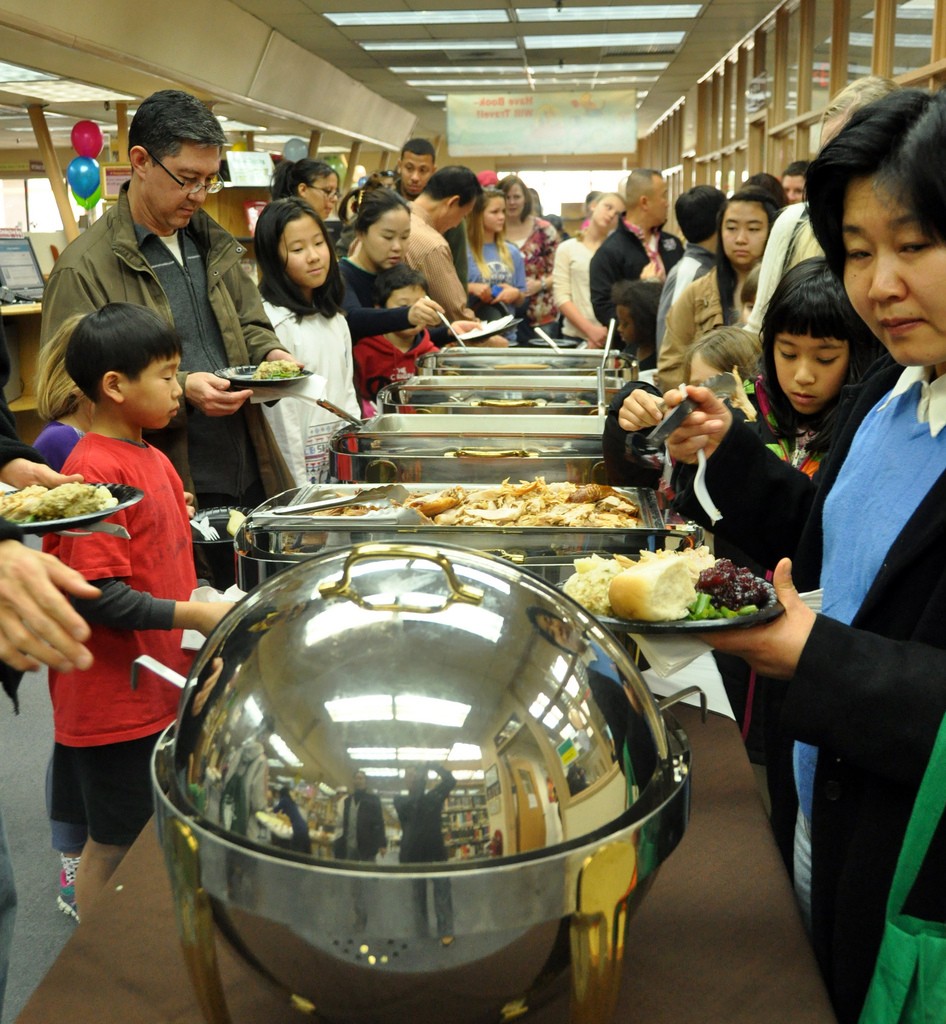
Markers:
<point>379,363</point>
<point>98,706</point>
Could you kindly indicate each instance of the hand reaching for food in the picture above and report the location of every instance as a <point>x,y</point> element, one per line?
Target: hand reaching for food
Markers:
<point>640,410</point>
<point>703,429</point>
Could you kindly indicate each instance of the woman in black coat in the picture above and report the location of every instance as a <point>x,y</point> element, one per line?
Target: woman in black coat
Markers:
<point>866,678</point>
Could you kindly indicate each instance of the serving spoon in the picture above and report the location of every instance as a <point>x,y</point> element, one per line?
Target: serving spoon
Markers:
<point>647,449</point>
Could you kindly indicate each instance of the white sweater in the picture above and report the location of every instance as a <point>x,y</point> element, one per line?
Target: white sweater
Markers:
<point>302,431</point>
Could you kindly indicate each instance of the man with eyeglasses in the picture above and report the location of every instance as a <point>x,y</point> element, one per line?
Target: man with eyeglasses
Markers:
<point>158,248</point>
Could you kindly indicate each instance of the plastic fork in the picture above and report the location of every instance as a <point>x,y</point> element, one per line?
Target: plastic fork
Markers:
<point>203,527</point>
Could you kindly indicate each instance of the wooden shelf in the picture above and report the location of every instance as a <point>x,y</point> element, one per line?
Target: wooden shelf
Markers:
<point>22,323</point>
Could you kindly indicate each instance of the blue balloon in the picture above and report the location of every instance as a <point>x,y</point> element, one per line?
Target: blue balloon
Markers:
<point>295,149</point>
<point>83,175</point>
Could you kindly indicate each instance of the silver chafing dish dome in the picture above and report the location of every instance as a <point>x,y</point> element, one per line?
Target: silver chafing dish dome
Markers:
<point>521,361</point>
<point>494,396</point>
<point>553,789</point>
<point>444,449</point>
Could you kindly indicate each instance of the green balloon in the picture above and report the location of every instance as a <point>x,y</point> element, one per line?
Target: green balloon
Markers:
<point>89,201</point>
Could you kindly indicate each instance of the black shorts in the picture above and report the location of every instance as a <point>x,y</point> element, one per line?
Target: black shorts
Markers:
<point>114,782</point>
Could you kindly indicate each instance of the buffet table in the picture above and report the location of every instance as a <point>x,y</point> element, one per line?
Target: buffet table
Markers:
<point>718,938</point>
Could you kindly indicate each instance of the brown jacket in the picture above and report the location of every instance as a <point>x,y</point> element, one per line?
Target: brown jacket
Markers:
<point>105,265</point>
<point>698,310</point>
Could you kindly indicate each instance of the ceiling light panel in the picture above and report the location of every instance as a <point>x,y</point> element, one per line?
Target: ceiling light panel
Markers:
<point>479,83</point>
<point>444,44</point>
<point>600,40</point>
<point>71,92</point>
<point>536,69</point>
<point>14,73</point>
<point>622,12</point>
<point>430,710</point>
<point>350,19</point>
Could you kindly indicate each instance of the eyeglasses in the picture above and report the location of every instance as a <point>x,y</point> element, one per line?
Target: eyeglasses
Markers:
<point>190,186</point>
<point>329,193</point>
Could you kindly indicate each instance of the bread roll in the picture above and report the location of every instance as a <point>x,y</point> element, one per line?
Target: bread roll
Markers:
<point>653,591</point>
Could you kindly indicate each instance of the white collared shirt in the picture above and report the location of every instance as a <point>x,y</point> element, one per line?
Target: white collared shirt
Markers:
<point>931,407</point>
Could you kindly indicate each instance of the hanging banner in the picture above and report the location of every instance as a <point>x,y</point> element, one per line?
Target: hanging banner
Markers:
<point>540,124</point>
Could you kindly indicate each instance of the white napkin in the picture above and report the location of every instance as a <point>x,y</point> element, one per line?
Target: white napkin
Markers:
<point>667,655</point>
<point>702,673</point>
<point>307,389</point>
<point>192,640</point>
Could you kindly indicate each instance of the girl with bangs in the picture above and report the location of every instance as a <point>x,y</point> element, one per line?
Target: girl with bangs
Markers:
<point>496,272</point>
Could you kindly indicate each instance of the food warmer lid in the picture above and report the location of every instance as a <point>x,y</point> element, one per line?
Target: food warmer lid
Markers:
<point>390,657</point>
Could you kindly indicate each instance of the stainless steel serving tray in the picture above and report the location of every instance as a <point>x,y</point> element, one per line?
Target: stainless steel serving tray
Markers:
<point>444,448</point>
<point>267,543</point>
<point>521,361</point>
<point>497,397</point>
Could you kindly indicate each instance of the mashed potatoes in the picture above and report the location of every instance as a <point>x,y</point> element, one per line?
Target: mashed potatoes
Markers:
<point>593,575</point>
<point>277,369</point>
<point>37,504</point>
<point>592,579</point>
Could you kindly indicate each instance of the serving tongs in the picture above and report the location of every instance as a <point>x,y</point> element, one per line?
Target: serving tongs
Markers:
<point>646,449</point>
<point>340,413</point>
<point>600,372</point>
<point>392,492</point>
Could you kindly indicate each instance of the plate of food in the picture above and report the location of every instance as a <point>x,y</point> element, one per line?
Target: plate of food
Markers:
<point>672,592</point>
<point>38,510</point>
<point>223,521</point>
<point>490,328</point>
<point>269,374</point>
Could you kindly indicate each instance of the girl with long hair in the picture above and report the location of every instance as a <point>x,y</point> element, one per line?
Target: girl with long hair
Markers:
<point>302,293</point>
<point>496,276</point>
<point>571,286</point>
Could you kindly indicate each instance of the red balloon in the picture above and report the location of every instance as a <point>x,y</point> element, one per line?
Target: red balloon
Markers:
<point>87,138</point>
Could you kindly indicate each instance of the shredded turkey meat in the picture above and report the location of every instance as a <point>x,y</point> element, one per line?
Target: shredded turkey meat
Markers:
<point>528,503</point>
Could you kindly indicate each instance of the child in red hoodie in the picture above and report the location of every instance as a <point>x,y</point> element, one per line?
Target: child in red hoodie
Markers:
<point>384,358</point>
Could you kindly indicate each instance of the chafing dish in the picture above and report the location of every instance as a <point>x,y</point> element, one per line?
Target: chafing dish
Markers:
<point>523,361</point>
<point>436,449</point>
<point>395,659</point>
<point>267,543</point>
<point>496,396</point>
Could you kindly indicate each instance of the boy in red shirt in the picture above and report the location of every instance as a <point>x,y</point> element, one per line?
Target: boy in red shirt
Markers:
<point>384,358</point>
<point>125,358</point>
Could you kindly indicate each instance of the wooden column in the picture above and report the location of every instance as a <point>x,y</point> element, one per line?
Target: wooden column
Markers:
<point>939,33</point>
<point>353,155</point>
<point>121,135</point>
<point>53,170</point>
<point>315,140</point>
<point>250,141</point>
<point>840,27</point>
<point>885,26</point>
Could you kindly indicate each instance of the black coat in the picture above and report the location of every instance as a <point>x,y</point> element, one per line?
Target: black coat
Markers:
<point>422,823</point>
<point>870,695</point>
<point>622,257</point>
<point>371,837</point>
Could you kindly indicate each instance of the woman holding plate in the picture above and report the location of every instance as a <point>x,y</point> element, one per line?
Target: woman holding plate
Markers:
<point>867,676</point>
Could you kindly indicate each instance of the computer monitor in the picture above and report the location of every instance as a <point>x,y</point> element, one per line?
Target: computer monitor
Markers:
<point>21,279</point>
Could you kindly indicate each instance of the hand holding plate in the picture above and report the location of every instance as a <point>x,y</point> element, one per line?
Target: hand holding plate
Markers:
<point>212,395</point>
<point>773,650</point>
<point>20,473</point>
